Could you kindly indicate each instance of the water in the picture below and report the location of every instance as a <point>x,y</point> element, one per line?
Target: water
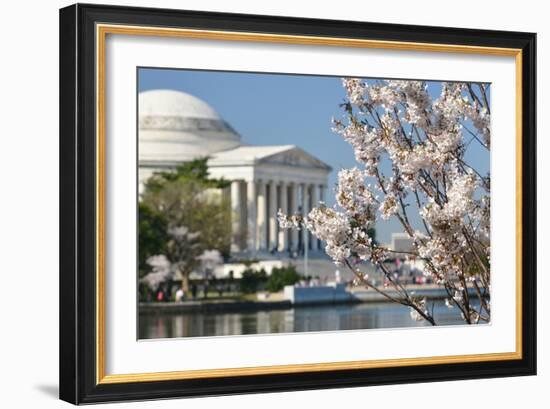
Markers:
<point>301,319</point>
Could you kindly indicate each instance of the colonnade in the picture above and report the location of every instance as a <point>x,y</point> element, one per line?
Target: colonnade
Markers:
<point>254,206</point>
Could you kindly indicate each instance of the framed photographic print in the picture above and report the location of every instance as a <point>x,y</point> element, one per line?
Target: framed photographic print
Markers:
<point>258,203</point>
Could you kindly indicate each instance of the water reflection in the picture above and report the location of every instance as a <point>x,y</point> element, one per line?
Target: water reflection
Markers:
<point>303,319</point>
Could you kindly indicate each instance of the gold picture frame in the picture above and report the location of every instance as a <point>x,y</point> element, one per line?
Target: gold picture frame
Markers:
<point>106,21</point>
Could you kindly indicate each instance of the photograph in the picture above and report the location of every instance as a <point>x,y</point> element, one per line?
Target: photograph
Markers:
<point>282,203</point>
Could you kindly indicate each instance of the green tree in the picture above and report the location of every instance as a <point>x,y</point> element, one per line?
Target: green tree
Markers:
<point>187,198</point>
<point>371,232</point>
<point>280,277</point>
<point>152,236</point>
<point>182,251</point>
<point>252,280</point>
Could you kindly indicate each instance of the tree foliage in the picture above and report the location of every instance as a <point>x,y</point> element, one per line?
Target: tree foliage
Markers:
<point>281,277</point>
<point>153,235</point>
<point>184,198</point>
<point>252,280</point>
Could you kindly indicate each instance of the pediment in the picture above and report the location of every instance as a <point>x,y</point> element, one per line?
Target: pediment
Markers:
<point>295,157</point>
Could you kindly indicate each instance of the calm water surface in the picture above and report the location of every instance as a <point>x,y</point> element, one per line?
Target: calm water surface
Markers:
<point>302,319</point>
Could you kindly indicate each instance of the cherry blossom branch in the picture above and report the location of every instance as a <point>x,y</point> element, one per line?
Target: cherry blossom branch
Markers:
<point>484,96</point>
<point>406,302</point>
<point>424,142</point>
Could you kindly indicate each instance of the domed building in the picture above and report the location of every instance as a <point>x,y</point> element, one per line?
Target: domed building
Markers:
<point>176,127</point>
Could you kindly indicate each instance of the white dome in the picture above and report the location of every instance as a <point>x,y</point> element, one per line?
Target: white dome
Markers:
<point>176,127</point>
<point>165,102</point>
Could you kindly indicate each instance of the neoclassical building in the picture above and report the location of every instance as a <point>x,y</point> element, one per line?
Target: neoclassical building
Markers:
<point>175,127</point>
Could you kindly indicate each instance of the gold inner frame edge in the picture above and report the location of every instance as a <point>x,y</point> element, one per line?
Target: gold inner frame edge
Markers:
<point>101,33</point>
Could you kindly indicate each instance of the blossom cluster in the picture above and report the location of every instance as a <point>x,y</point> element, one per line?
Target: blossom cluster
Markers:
<point>365,140</point>
<point>160,271</point>
<point>353,195</point>
<point>447,217</point>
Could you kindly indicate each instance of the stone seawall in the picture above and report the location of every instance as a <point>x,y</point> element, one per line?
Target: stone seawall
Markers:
<point>294,297</point>
<point>211,306</point>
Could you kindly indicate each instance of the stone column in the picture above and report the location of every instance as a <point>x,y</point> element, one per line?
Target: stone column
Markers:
<point>262,216</point>
<point>322,193</point>
<point>283,205</point>
<point>304,207</point>
<point>293,202</point>
<point>272,215</point>
<point>309,205</point>
<point>236,215</point>
<point>251,216</point>
<point>314,203</point>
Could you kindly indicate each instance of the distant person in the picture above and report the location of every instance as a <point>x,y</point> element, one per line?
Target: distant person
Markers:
<point>194,291</point>
<point>179,295</point>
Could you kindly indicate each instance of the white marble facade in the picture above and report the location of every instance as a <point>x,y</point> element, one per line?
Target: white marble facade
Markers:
<point>175,127</point>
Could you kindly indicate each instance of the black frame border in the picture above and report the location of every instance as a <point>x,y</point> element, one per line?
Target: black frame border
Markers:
<point>78,197</point>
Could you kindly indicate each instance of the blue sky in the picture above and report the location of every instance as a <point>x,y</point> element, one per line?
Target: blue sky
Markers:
<point>279,109</point>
